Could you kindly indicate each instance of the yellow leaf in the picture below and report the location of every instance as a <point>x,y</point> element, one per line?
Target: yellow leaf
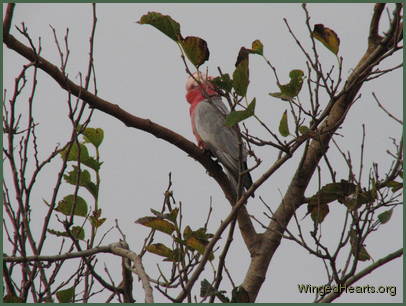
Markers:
<point>163,23</point>
<point>318,212</point>
<point>196,50</point>
<point>157,223</point>
<point>159,249</point>
<point>257,47</point>
<point>362,251</point>
<point>327,37</point>
<point>197,245</point>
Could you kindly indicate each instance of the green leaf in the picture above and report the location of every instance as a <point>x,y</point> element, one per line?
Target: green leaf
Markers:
<point>317,204</point>
<point>240,295</point>
<point>220,295</point>
<point>92,163</point>
<point>57,233</point>
<point>83,157</point>
<point>84,180</point>
<point>241,73</point>
<point>187,232</point>
<point>76,231</point>
<point>198,245</point>
<point>171,216</point>
<point>206,289</point>
<point>157,213</point>
<point>177,255</point>
<point>159,249</point>
<point>66,296</point>
<point>95,219</point>
<point>76,176</point>
<point>385,216</point>
<point>163,23</point>
<point>257,47</point>
<point>395,185</point>
<point>66,206</point>
<point>196,50</point>
<point>359,197</point>
<point>236,116</point>
<point>202,235</point>
<point>332,192</point>
<point>304,129</point>
<point>162,250</point>
<point>157,223</point>
<point>94,136</point>
<point>292,89</point>
<point>197,240</point>
<point>93,189</point>
<point>327,37</point>
<point>319,212</point>
<point>10,298</point>
<point>97,222</point>
<point>224,82</point>
<point>362,252</point>
<point>74,154</point>
<point>283,125</point>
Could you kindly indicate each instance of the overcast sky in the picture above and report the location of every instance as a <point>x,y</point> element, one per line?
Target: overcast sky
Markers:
<point>140,69</point>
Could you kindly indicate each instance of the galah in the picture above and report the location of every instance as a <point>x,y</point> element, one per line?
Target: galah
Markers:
<point>208,113</point>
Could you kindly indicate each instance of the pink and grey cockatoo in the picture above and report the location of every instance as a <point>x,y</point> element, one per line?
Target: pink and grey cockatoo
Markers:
<point>208,113</point>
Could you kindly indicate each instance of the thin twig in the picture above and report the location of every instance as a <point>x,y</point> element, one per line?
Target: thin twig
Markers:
<point>387,112</point>
<point>332,296</point>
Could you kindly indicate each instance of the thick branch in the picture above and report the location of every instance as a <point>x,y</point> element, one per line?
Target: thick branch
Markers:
<point>374,37</point>
<point>8,18</point>
<point>138,268</point>
<point>332,296</point>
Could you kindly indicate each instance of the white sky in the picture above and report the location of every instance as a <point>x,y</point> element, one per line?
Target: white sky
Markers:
<point>140,69</point>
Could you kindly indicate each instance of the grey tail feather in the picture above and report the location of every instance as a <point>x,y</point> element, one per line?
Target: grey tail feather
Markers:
<point>246,179</point>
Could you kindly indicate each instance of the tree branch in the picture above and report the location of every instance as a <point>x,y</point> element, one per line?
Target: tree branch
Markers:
<point>118,248</point>
<point>271,239</point>
<point>332,296</point>
<point>53,258</point>
<point>8,18</point>
<point>138,268</point>
<point>384,109</point>
<point>374,37</point>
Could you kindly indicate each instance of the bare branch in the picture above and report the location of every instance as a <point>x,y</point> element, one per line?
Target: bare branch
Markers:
<point>332,296</point>
<point>387,112</point>
<point>114,248</point>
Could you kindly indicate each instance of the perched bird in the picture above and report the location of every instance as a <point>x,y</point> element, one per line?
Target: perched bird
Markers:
<point>208,113</point>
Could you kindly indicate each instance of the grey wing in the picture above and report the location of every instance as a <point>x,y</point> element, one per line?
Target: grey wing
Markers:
<point>222,141</point>
<point>218,103</point>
